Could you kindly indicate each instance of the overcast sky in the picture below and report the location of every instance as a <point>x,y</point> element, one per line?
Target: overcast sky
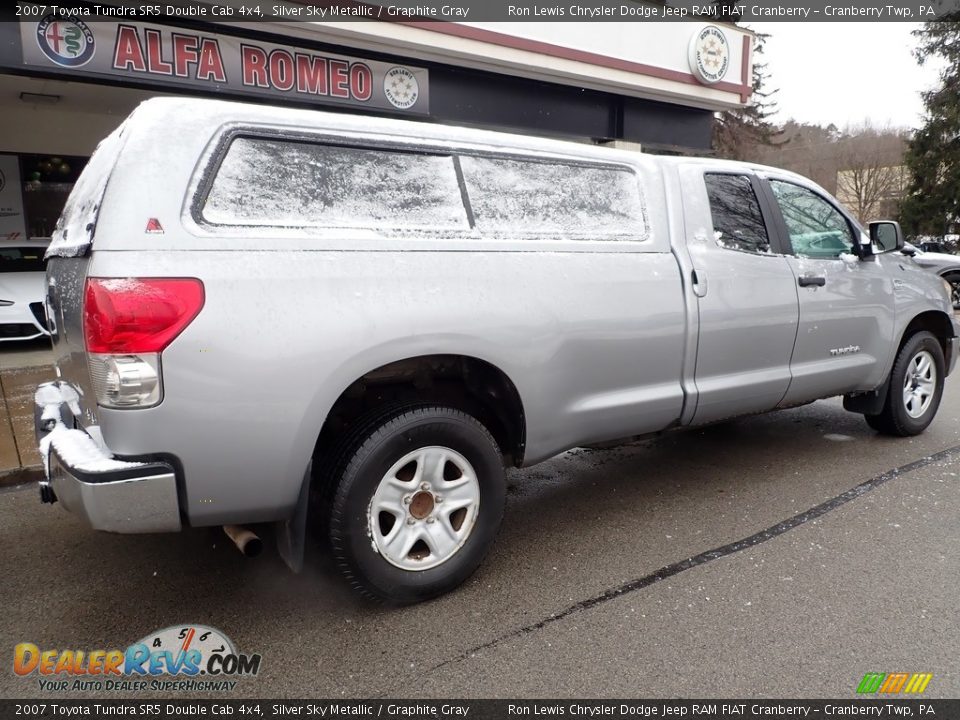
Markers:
<point>845,73</point>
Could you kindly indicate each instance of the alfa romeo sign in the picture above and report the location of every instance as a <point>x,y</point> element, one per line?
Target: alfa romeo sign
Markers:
<point>68,43</point>
<point>189,58</point>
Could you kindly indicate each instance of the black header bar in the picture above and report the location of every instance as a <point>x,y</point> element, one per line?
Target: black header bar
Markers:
<point>885,709</point>
<point>496,10</point>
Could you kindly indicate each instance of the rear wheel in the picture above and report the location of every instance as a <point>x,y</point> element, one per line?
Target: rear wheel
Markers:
<point>417,505</point>
<point>915,388</point>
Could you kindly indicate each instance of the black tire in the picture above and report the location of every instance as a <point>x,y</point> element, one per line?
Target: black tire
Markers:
<point>954,279</point>
<point>357,474</point>
<point>895,419</point>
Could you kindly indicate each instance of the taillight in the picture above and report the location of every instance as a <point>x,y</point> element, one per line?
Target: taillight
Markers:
<point>127,322</point>
<point>138,315</point>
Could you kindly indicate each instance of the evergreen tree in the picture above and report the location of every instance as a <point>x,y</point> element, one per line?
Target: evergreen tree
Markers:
<point>932,205</point>
<point>737,134</point>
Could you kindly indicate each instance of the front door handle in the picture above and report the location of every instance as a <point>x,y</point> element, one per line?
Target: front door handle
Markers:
<point>815,280</point>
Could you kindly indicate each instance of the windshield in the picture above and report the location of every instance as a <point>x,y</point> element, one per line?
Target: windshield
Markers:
<point>21,259</point>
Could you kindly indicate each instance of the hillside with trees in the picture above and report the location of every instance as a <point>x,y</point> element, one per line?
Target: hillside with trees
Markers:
<point>932,203</point>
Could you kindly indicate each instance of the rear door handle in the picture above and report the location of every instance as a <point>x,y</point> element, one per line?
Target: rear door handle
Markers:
<point>815,280</point>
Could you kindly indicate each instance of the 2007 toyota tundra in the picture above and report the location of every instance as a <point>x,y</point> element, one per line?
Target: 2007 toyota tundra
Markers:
<point>258,312</point>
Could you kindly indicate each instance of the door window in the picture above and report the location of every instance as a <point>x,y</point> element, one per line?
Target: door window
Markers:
<point>737,220</point>
<point>816,228</point>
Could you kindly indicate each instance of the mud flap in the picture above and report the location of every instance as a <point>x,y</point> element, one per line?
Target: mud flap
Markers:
<point>291,533</point>
<point>868,403</point>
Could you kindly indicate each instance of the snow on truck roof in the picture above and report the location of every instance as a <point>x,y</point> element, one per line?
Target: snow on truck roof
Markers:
<point>178,114</point>
<point>205,114</point>
<point>175,114</point>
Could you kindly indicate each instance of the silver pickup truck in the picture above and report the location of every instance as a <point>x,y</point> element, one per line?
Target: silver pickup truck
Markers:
<point>352,325</point>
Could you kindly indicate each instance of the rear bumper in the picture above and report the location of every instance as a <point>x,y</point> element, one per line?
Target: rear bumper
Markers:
<point>114,495</point>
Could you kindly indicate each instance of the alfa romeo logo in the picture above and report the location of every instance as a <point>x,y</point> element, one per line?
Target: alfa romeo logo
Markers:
<point>709,54</point>
<point>401,88</point>
<point>68,43</point>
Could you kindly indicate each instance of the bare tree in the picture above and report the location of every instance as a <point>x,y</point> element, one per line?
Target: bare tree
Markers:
<point>871,177</point>
<point>809,150</point>
<point>862,165</point>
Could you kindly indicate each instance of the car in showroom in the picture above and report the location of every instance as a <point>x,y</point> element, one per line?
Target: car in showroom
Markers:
<point>22,288</point>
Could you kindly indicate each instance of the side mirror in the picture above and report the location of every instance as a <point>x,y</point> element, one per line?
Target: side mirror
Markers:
<point>886,236</point>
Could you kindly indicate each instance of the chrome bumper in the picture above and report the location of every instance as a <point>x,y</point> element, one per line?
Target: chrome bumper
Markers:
<point>110,494</point>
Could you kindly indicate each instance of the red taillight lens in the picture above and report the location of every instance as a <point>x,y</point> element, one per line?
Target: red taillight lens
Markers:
<point>138,315</point>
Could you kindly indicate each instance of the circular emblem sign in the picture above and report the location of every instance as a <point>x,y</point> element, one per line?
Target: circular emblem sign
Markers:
<point>401,88</point>
<point>68,43</point>
<point>709,54</point>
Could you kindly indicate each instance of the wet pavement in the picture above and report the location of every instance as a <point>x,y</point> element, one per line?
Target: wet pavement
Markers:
<point>798,584</point>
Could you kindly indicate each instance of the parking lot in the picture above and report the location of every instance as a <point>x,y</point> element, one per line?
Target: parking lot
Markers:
<point>590,590</point>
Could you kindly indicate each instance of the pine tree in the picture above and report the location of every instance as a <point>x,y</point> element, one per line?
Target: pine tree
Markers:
<point>932,205</point>
<point>737,134</point>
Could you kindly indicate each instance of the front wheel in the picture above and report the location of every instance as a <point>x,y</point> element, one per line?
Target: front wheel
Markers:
<point>418,503</point>
<point>915,388</point>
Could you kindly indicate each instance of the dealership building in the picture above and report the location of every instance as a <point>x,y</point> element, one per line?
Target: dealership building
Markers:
<point>65,83</point>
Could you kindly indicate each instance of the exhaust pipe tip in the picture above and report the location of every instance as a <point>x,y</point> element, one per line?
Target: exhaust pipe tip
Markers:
<point>247,542</point>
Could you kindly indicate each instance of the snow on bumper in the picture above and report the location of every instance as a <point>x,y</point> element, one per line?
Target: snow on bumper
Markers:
<point>110,494</point>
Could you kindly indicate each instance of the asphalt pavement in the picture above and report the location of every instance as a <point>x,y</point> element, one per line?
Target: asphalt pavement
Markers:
<point>783,555</point>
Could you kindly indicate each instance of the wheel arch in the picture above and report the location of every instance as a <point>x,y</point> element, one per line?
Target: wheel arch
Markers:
<point>935,322</point>
<point>465,382</point>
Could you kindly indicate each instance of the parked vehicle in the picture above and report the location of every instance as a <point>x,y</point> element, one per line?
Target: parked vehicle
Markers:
<point>261,310</point>
<point>943,264</point>
<point>22,290</point>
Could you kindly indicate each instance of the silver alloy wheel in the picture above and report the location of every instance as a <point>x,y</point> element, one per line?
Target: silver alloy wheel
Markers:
<point>424,508</point>
<point>919,384</point>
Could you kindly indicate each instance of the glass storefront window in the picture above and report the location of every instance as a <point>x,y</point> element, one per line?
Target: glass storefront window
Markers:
<point>47,181</point>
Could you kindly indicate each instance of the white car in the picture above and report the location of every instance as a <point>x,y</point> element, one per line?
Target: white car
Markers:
<point>22,273</point>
